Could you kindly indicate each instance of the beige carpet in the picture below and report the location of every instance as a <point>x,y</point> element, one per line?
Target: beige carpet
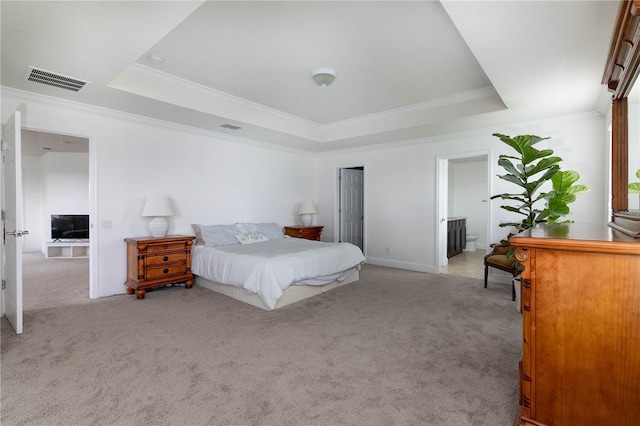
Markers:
<point>52,282</point>
<point>396,348</point>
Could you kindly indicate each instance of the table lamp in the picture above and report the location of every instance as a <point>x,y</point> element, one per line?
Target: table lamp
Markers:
<point>306,210</point>
<point>158,207</point>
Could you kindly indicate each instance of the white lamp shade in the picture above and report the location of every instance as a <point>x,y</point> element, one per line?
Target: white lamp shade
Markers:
<point>158,205</point>
<point>306,210</point>
<point>307,207</point>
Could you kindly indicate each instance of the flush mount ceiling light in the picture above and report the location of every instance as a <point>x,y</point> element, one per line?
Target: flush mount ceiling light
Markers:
<point>155,59</point>
<point>323,76</point>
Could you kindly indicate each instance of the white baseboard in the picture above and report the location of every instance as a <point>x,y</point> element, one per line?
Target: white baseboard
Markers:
<point>403,265</point>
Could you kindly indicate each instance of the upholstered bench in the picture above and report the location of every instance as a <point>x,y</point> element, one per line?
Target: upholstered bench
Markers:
<point>500,258</point>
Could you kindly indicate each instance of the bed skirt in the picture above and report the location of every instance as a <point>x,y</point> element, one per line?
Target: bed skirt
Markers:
<point>291,294</point>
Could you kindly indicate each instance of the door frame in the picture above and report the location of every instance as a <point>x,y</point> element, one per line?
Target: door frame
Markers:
<point>337,202</point>
<point>442,188</point>
<point>93,198</point>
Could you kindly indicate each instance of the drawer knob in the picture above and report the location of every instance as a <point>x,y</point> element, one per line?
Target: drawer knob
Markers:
<point>165,258</point>
<point>165,271</point>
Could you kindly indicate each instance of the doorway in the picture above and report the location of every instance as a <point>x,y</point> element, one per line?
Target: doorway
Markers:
<point>56,170</point>
<point>464,192</point>
<point>351,213</point>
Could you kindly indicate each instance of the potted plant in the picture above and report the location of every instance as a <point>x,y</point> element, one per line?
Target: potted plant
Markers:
<point>634,187</point>
<point>529,169</point>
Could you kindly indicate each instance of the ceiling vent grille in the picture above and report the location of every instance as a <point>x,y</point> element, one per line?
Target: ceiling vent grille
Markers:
<point>52,79</point>
<point>230,126</point>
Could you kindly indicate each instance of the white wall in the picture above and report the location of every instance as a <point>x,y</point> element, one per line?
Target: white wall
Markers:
<point>209,177</point>
<point>66,186</point>
<point>400,185</point>
<point>54,183</point>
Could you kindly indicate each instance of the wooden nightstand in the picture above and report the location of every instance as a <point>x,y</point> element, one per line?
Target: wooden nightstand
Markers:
<point>153,262</point>
<point>306,232</point>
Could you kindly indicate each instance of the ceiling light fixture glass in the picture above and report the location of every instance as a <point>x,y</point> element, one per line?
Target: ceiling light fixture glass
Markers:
<point>323,76</point>
<point>155,59</point>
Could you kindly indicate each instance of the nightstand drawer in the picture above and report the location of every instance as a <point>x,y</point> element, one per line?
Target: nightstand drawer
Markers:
<point>165,271</point>
<point>306,232</point>
<point>163,259</point>
<point>152,248</point>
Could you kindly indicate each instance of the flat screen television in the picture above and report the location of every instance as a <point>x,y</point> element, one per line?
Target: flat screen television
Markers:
<point>69,227</point>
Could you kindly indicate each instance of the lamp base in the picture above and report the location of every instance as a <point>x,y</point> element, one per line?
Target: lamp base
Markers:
<point>159,226</point>
<point>306,219</point>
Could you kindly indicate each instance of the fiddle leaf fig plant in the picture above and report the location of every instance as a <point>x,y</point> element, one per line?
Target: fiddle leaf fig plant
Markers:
<point>529,170</point>
<point>634,187</point>
<point>563,193</point>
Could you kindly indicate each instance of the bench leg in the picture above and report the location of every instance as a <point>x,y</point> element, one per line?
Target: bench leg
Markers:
<point>486,275</point>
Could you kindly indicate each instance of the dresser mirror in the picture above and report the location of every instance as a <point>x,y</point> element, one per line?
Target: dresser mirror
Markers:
<point>621,71</point>
<point>633,162</point>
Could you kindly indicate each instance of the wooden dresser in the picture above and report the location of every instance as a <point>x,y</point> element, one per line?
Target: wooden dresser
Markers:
<point>152,262</point>
<point>580,300</point>
<point>306,232</point>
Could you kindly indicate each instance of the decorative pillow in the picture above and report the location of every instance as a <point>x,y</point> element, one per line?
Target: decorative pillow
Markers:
<point>270,230</point>
<point>219,235</point>
<point>251,237</point>
<point>196,230</point>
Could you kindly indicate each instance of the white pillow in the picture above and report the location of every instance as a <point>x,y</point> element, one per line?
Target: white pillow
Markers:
<point>270,230</point>
<point>220,235</point>
<point>251,237</point>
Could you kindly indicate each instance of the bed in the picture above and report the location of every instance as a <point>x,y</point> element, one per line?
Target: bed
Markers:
<point>259,265</point>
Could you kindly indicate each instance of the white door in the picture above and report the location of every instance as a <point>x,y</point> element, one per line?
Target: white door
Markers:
<point>13,220</point>
<point>352,207</point>
<point>443,195</point>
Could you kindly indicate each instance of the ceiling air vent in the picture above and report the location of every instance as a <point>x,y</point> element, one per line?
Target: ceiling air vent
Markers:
<point>52,79</point>
<point>230,126</point>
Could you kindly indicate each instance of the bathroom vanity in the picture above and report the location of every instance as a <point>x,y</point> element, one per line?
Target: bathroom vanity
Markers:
<point>456,235</point>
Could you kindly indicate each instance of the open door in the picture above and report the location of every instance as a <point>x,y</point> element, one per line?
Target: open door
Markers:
<point>352,206</point>
<point>443,193</point>
<point>13,220</point>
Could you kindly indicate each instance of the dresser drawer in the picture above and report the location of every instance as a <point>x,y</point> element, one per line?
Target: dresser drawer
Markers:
<point>163,259</point>
<point>154,248</point>
<point>165,271</point>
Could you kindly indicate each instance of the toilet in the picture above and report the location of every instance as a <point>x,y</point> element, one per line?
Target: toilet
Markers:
<point>471,241</point>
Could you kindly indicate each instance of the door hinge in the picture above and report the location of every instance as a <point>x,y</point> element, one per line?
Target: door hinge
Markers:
<point>2,215</point>
<point>4,284</point>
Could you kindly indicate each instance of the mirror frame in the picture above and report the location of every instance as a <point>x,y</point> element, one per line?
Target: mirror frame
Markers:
<point>621,71</point>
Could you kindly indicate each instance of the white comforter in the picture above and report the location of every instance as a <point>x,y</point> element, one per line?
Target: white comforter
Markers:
<point>269,267</point>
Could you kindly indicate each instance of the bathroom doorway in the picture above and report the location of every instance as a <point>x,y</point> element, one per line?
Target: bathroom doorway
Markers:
<point>464,192</point>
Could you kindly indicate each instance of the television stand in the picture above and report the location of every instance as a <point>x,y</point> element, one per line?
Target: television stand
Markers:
<point>59,249</point>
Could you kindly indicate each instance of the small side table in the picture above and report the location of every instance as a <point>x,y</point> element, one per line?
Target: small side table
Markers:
<point>152,262</point>
<point>306,232</point>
